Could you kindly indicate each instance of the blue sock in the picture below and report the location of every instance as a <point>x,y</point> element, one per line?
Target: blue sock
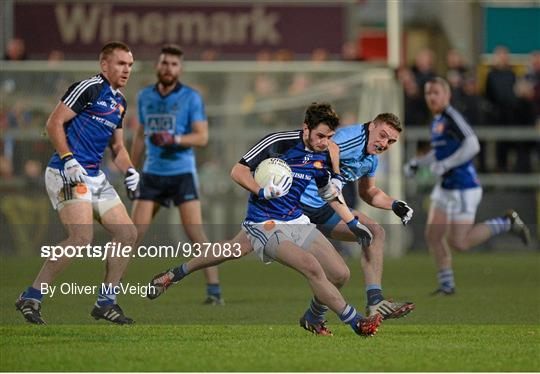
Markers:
<point>446,279</point>
<point>316,311</point>
<point>374,294</point>
<point>106,295</point>
<point>32,293</point>
<point>180,272</point>
<point>213,289</point>
<point>498,225</point>
<point>350,316</point>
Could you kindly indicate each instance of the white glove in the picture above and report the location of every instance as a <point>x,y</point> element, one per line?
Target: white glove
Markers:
<point>132,179</point>
<point>410,168</point>
<point>273,189</point>
<point>438,168</point>
<point>74,172</point>
<point>332,190</point>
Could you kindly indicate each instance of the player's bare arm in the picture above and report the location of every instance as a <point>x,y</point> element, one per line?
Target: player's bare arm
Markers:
<point>137,147</point>
<point>241,174</point>
<point>333,150</point>
<point>55,127</point>
<point>120,154</point>
<point>372,194</point>
<point>198,136</point>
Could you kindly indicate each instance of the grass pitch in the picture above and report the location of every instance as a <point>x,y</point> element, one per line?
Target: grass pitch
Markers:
<point>491,324</point>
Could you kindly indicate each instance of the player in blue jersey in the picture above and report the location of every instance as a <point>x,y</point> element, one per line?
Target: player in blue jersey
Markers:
<point>172,121</point>
<point>456,196</point>
<point>87,120</point>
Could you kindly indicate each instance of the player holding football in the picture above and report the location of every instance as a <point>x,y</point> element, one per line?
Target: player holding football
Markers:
<point>357,148</point>
<point>87,120</point>
<point>172,122</point>
<point>276,226</point>
<point>456,196</point>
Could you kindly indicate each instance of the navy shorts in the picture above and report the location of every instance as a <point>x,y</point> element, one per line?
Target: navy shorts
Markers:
<point>324,217</point>
<point>167,189</point>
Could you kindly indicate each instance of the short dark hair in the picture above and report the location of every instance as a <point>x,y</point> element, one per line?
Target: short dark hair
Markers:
<point>391,119</point>
<point>110,47</point>
<point>441,81</point>
<point>318,113</point>
<point>172,49</point>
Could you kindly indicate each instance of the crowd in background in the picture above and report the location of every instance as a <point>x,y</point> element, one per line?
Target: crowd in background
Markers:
<point>503,94</point>
<point>504,99</point>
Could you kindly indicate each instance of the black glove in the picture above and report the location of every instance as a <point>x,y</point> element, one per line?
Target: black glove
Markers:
<point>403,211</point>
<point>362,233</point>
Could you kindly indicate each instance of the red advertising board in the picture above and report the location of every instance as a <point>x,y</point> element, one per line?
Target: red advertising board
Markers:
<point>79,29</point>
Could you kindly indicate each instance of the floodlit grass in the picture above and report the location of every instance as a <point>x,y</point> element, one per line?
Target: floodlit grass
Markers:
<point>491,324</point>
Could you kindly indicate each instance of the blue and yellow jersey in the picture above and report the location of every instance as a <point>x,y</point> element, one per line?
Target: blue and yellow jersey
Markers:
<point>354,161</point>
<point>100,111</point>
<point>448,130</point>
<point>306,166</point>
<point>174,113</point>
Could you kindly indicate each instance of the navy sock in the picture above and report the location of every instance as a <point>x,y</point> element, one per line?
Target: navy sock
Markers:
<point>213,289</point>
<point>374,294</point>
<point>316,311</point>
<point>32,293</point>
<point>180,272</point>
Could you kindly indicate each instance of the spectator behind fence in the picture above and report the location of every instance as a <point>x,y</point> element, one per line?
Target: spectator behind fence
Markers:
<point>524,116</point>
<point>500,94</point>
<point>414,101</point>
<point>15,50</point>
<point>423,71</point>
<point>500,88</point>
<point>533,77</point>
<point>473,107</point>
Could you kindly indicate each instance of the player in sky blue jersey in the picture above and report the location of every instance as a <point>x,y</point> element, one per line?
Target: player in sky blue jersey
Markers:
<point>456,196</point>
<point>172,121</point>
<point>359,147</point>
<point>87,120</point>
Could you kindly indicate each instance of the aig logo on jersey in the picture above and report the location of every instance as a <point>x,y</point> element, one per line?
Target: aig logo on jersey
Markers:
<point>160,122</point>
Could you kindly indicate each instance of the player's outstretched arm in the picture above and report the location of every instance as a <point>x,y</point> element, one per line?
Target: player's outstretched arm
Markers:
<point>377,198</point>
<point>469,147</point>
<point>373,195</point>
<point>137,147</point>
<point>361,232</point>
